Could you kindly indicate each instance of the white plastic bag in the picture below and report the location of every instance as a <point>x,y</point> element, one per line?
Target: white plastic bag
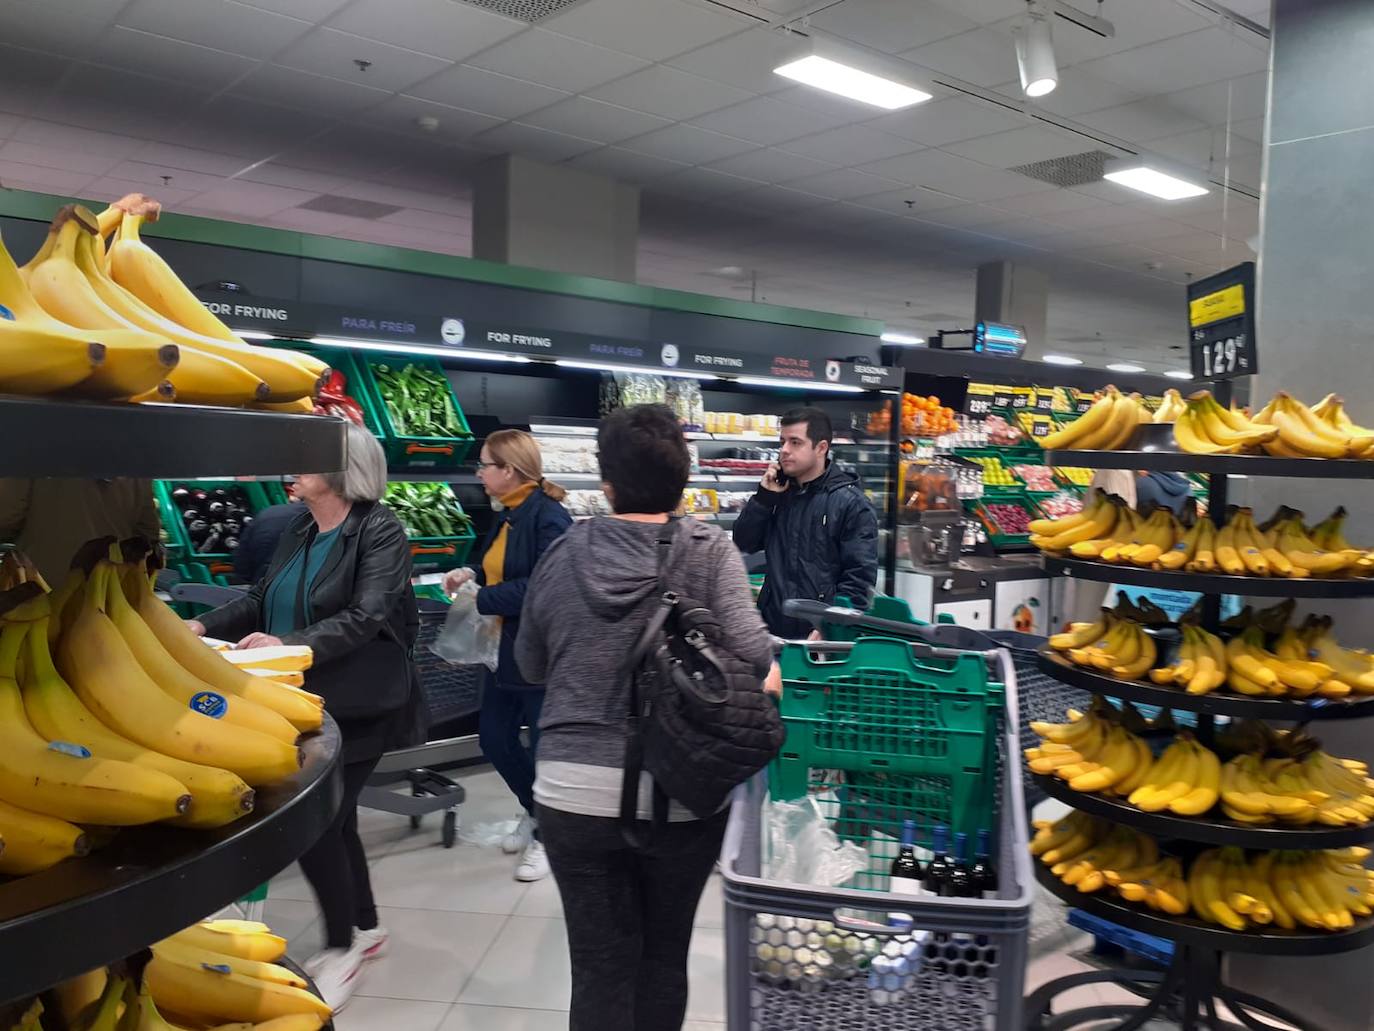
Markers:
<point>469,638</point>
<point>803,849</point>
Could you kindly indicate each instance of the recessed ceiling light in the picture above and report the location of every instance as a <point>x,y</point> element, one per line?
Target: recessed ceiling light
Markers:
<point>901,339</point>
<point>1125,367</point>
<point>1061,359</point>
<point>1178,374</point>
<point>854,83</point>
<point>1154,182</point>
<point>1035,55</point>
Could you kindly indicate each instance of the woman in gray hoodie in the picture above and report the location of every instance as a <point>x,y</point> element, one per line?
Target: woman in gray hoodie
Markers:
<point>629,912</point>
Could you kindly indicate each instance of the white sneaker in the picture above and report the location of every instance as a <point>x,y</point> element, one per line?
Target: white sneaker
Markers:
<point>370,944</point>
<point>517,839</point>
<point>336,976</point>
<point>534,864</point>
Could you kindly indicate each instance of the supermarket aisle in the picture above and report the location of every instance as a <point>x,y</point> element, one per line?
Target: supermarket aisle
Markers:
<point>470,948</point>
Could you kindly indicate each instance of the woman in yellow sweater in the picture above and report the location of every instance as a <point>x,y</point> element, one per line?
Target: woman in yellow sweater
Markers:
<point>530,519</point>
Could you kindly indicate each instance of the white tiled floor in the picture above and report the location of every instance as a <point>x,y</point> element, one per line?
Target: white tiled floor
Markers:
<point>471,949</point>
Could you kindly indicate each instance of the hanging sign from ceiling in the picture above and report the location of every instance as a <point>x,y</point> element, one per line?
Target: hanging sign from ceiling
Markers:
<point>1221,324</point>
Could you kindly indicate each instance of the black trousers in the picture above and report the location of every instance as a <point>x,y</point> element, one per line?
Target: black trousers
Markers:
<point>629,915</point>
<point>336,866</point>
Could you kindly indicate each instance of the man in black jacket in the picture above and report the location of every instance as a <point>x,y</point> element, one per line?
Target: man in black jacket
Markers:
<point>811,518</point>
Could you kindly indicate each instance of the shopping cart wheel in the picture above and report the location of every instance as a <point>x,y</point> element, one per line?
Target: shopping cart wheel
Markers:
<point>415,822</point>
<point>416,792</point>
<point>450,831</point>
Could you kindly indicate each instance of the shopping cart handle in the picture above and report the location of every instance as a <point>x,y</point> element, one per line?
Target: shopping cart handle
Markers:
<point>818,612</point>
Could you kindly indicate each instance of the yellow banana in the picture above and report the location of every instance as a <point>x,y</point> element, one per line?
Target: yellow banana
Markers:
<point>1079,636</point>
<point>1228,557</point>
<point>1298,435</point>
<point>1204,796</point>
<point>35,841</point>
<point>226,939</point>
<point>1191,436</point>
<point>1204,555</point>
<point>77,997</point>
<point>1103,519</point>
<point>1181,553</point>
<point>262,971</point>
<point>1086,428</point>
<point>193,991</point>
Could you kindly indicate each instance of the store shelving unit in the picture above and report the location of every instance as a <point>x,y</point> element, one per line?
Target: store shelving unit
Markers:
<point>1192,986</point>
<point>148,882</point>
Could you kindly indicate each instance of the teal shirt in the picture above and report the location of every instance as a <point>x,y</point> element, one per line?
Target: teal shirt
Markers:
<point>280,603</point>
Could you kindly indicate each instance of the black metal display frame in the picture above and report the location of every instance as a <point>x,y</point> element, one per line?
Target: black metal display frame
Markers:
<point>1189,990</point>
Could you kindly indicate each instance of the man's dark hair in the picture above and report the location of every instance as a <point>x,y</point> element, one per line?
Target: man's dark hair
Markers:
<point>643,456</point>
<point>818,427</point>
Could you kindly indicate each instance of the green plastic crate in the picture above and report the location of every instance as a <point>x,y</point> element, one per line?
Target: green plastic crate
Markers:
<point>407,452</point>
<point>883,607</point>
<point>259,497</point>
<point>439,554</point>
<point>174,540</point>
<point>883,735</point>
<point>1017,497</point>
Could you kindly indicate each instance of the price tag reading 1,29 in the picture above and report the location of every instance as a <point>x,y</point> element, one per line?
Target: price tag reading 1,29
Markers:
<point>1221,324</point>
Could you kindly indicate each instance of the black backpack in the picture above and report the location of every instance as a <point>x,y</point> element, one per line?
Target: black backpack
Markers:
<point>699,721</point>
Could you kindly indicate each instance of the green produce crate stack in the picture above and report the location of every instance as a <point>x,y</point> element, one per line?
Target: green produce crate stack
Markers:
<point>217,559</point>
<point>885,734</point>
<point>423,425</point>
<point>440,533</point>
<point>173,530</point>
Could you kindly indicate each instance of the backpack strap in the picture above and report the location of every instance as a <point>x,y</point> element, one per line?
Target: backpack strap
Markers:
<point>664,601</point>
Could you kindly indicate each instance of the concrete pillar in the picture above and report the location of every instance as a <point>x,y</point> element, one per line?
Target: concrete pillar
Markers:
<point>1314,309</point>
<point>1014,295</point>
<point>550,217</point>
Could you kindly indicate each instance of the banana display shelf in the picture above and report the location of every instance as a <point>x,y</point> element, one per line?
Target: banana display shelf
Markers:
<point>1190,988</point>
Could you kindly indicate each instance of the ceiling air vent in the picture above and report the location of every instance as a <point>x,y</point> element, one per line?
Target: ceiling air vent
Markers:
<point>334,204</point>
<point>523,10</point>
<point>1074,170</point>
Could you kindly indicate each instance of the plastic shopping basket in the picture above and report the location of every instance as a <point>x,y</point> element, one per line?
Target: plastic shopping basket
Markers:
<point>805,958</point>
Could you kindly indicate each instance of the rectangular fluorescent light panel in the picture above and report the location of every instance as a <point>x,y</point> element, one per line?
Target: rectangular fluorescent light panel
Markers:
<point>902,339</point>
<point>848,81</point>
<point>787,384</point>
<point>1178,374</point>
<point>1155,183</point>
<point>1125,367</point>
<point>437,352</point>
<point>1061,359</point>
<point>572,363</point>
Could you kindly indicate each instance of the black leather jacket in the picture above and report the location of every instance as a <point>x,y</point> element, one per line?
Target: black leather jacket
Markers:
<point>364,628</point>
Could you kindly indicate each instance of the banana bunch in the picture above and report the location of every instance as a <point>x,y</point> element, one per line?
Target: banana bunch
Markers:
<point>1314,788</point>
<point>1331,410</point>
<point>1118,647</point>
<point>1093,754</point>
<point>1172,407</point>
<point>1186,780</point>
<point>1090,854</point>
<point>1302,433</point>
<point>1095,521</point>
<point>1321,890</point>
<point>1107,426</point>
<point>1205,427</point>
<point>1353,668</point>
<point>1254,670</point>
<point>1202,664</point>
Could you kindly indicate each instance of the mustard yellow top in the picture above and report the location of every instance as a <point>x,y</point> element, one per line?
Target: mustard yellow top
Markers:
<point>494,561</point>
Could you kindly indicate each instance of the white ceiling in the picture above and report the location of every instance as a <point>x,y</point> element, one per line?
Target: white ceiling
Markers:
<point>254,107</point>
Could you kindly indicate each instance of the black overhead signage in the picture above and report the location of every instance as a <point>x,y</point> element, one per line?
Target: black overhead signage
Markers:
<point>305,320</point>
<point>1221,324</point>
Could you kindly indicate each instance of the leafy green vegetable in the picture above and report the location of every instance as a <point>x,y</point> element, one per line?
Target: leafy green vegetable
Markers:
<point>419,401</point>
<point>427,509</point>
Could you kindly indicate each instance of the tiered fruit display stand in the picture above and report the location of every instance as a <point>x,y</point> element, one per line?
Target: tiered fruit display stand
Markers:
<point>149,882</point>
<point>1189,991</point>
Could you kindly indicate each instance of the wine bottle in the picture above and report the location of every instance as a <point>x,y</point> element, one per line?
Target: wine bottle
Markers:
<point>907,874</point>
<point>940,871</point>
<point>961,883</point>
<point>984,874</point>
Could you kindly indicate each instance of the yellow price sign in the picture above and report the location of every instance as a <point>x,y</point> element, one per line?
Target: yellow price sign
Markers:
<point>1223,304</point>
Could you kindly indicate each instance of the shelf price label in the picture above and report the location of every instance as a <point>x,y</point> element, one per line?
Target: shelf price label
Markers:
<point>1083,400</point>
<point>1002,396</point>
<point>1044,399</point>
<point>978,399</point>
<point>1041,426</point>
<point>1021,398</point>
<point>1221,324</point>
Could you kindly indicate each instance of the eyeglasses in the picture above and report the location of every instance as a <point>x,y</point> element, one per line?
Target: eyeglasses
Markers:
<point>489,465</point>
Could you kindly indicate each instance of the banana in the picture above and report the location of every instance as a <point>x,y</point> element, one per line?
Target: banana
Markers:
<point>1331,410</point>
<point>1204,886</point>
<point>1242,661</point>
<point>262,971</point>
<point>300,707</point>
<point>187,689</point>
<point>1246,546</point>
<point>143,1015</point>
<point>1266,542</point>
<point>1228,557</point>
<point>218,796</point>
<point>1136,668</point>
<point>111,1006</point>
<point>1086,428</point>
<point>95,661</point>
<point>1170,778</point>
<point>1204,796</point>
<point>1080,635</point>
<point>1182,552</point>
<point>35,841</point>
<point>1127,415</point>
<point>1299,437</point>
<point>194,991</point>
<point>1298,548</point>
<point>291,1022</point>
<point>1100,524</point>
<point>1117,762</point>
<point>77,997</point>
<point>1171,408</point>
<point>139,269</point>
<point>135,362</point>
<point>227,939</point>
<point>1052,527</point>
<point>1204,555</point>
<point>1226,428</point>
<point>1191,436</point>
<point>64,780</point>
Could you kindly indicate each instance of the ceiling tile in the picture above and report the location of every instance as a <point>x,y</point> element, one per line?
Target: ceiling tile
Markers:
<point>418,219</point>
<point>1078,91</point>
<point>1101,215</point>
<point>1020,146</point>
<point>558,61</point>
<point>982,57</point>
<point>1203,149</point>
<point>530,141</point>
<point>250,199</point>
<point>844,184</point>
<point>1247,96</point>
<point>333,53</point>
<point>232,125</point>
<point>306,92</point>
<point>172,59</point>
<point>770,166</point>
<point>386,193</point>
<point>107,189</point>
<point>89,162</point>
<point>174,158</point>
<point>310,10</point>
<point>965,216</point>
<point>27,79</point>
<point>69,137</point>
<point>15,175</point>
<point>689,144</point>
<point>670,93</point>
<point>892,27</point>
<point>652,29</point>
<point>1135,25</point>
<point>398,114</point>
<point>120,102</point>
<point>488,93</point>
<point>1252,130</point>
<point>776,199</point>
<point>702,184</point>
<point>745,61</point>
<point>1183,62</point>
<point>69,27</point>
<point>440,27</point>
<point>908,201</point>
<point>1142,120</point>
<point>275,174</point>
<point>955,175</point>
<point>221,24</point>
<point>595,120</point>
<point>626,165</point>
<point>767,121</point>
<point>1048,204</point>
<point>8,123</point>
<point>850,145</point>
<point>948,121</point>
<point>151,175</point>
<point>349,152</point>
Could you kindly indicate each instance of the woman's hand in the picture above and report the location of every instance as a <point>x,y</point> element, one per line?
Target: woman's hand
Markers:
<point>772,684</point>
<point>455,578</point>
<point>259,641</point>
<point>196,627</point>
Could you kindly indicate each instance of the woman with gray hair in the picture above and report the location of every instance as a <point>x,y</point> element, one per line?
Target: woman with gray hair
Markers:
<point>340,583</point>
